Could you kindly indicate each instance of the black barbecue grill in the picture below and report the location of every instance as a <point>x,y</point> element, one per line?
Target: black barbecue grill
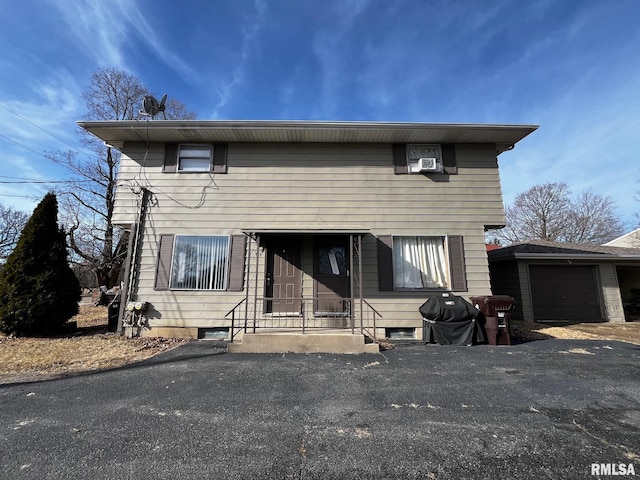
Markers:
<point>451,320</point>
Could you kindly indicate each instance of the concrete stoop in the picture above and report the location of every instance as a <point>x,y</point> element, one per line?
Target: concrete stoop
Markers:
<point>297,342</point>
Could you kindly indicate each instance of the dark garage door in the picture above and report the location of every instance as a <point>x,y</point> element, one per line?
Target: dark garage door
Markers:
<point>564,293</point>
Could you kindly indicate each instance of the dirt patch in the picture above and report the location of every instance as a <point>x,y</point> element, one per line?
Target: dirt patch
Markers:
<point>89,348</point>
<point>623,331</point>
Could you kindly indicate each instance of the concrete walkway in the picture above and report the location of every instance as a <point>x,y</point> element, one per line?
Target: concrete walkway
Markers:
<point>544,409</point>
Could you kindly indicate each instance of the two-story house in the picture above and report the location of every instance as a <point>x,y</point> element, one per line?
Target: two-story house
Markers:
<point>242,227</point>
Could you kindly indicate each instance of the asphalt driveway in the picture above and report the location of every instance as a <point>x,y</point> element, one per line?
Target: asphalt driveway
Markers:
<point>543,409</point>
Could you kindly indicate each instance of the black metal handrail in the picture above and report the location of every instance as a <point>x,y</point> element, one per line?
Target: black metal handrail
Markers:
<point>366,329</point>
<point>233,319</point>
<point>305,314</point>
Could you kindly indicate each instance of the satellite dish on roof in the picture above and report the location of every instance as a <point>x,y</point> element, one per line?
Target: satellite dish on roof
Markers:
<point>152,107</point>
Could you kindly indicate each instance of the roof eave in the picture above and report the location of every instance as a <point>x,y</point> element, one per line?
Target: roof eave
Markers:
<point>563,256</point>
<point>117,132</point>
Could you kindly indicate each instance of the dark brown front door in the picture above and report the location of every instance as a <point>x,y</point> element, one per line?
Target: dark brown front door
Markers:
<point>331,275</point>
<point>284,276</point>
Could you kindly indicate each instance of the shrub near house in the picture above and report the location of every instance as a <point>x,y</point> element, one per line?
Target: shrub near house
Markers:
<point>38,290</point>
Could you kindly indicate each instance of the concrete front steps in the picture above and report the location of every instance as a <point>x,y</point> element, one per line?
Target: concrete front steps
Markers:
<point>326,341</point>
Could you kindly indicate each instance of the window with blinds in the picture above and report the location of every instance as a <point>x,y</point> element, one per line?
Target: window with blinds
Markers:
<point>200,263</point>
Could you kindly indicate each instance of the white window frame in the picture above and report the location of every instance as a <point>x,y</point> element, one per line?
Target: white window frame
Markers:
<point>443,265</point>
<point>195,159</point>
<point>428,150</point>
<point>201,282</point>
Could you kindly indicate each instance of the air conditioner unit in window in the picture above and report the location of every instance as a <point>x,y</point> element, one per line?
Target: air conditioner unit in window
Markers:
<point>429,164</point>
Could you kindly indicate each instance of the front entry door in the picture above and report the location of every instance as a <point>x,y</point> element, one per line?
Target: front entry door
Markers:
<point>331,274</point>
<point>284,276</point>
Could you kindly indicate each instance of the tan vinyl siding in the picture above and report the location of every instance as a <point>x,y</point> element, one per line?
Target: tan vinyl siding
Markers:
<point>313,185</point>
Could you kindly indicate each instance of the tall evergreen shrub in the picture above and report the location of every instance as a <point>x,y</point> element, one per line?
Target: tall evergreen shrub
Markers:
<point>38,290</point>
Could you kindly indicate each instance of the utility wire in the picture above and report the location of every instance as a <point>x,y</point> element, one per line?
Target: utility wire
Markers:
<point>38,180</point>
<point>40,128</point>
<point>27,148</point>
<point>33,182</point>
<point>16,196</point>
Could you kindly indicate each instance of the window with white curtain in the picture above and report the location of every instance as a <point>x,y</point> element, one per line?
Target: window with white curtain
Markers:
<point>200,263</point>
<point>419,263</point>
<point>194,158</point>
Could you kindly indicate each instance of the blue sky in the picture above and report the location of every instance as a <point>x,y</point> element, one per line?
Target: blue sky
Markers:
<point>573,67</point>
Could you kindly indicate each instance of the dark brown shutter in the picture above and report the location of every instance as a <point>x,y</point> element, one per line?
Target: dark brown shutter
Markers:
<point>400,165</point>
<point>236,263</point>
<point>457,267</point>
<point>449,158</point>
<point>170,158</point>
<point>219,164</point>
<point>165,250</point>
<point>385,263</point>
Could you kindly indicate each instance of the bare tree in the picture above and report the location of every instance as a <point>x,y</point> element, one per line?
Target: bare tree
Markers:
<point>87,206</point>
<point>176,110</point>
<point>11,223</point>
<point>593,219</point>
<point>549,212</point>
<point>540,212</point>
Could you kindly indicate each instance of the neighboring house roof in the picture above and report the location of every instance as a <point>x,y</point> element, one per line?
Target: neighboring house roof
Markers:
<point>543,249</point>
<point>116,132</point>
<point>631,239</point>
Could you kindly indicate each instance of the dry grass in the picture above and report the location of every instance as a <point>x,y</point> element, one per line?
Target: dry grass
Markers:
<point>623,331</point>
<point>90,348</point>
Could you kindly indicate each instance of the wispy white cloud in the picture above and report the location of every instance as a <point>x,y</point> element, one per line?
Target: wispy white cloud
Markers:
<point>587,101</point>
<point>332,50</point>
<point>105,31</point>
<point>98,28</point>
<point>41,121</point>
<point>250,33</point>
<point>45,114</point>
<point>586,144</point>
<point>23,164</point>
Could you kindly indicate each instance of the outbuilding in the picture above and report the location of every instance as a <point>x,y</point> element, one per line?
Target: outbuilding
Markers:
<point>560,282</point>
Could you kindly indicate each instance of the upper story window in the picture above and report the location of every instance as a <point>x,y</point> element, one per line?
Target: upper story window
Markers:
<point>424,158</point>
<point>194,158</point>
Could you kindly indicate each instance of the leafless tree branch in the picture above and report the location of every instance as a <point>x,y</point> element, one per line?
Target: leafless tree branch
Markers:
<point>550,212</point>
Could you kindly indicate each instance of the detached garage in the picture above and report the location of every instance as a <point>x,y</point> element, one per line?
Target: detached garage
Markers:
<point>557,282</point>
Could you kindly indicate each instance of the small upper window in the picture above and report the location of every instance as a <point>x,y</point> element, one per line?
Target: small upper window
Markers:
<point>424,158</point>
<point>194,158</point>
